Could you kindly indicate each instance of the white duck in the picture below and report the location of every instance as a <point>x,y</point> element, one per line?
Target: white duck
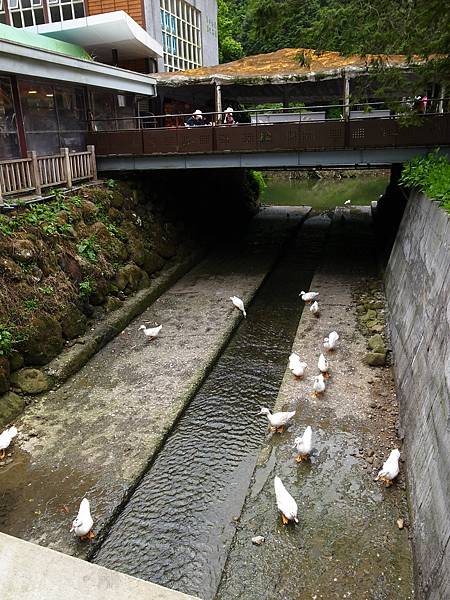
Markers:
<point>314,308</point>
<point>279,420</point>
<point>318,385</point>
<point>347,202</point>
<point>5,439</point>
<point>329,343</point>
<point>82,524</point>
<point>390,468</point>
<point>294,358</point>
<point>303,445</point>
<point>237,302</point>
<point>297,366</point>
<point>285,502</point>
<point>151,332</point>
<point>323,366</point>
<point>309,296</point>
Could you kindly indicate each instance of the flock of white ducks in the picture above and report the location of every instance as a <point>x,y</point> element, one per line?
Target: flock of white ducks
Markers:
<point>83,523</point>
<point>303,444</point>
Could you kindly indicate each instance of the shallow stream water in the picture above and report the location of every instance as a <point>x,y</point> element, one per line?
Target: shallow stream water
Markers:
<point>177,527</point>
<point>324,194</point>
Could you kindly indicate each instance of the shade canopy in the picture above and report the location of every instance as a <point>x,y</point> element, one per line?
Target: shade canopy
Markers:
<point>99,34</point>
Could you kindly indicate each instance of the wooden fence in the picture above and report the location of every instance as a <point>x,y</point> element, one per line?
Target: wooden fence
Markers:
<point>30,176</point>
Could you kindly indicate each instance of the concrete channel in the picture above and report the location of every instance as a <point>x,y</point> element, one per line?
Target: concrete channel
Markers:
<point>166,449</point>
<point>177,527</point>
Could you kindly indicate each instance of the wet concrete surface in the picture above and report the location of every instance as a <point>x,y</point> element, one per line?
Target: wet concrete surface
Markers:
<point>347,543</point>
<point>177,527</point>
<point>95,435</point>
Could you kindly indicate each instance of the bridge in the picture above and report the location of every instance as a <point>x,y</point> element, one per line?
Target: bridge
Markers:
<point>272,139</point>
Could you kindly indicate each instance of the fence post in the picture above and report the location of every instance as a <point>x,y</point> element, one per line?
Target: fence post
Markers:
<point>67,168</point>
<point>91,150</point>
<point>1,197</point>
<point>35,175</point>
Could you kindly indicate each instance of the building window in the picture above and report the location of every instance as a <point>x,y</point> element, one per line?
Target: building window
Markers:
<point>54,116</point>
<point>25,13</point>
<point>9,142</point>
<point>2,12</point>
<point>64,10</point>
<point>181,35</point>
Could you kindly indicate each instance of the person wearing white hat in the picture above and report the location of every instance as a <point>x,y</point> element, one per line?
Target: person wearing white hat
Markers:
<point>196,119</point>
<point>228,118</point>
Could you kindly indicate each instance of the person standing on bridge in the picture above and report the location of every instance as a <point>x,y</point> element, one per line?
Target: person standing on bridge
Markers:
<point>228,118</point>
<point>196,119</point>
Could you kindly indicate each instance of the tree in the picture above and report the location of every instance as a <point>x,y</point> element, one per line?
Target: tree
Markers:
<point>229,48</point>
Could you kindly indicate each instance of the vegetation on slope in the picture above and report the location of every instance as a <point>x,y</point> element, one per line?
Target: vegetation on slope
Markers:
<point>431,174</point>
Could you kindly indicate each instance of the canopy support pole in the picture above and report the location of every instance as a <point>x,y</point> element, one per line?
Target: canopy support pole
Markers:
<point>346,97</point>
<point>218,102</point>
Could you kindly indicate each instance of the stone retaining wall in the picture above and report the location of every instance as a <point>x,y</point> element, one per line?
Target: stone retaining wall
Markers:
<point>418,292</point>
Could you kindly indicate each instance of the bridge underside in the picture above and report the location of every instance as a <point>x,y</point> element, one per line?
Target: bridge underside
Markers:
<point>375,158</point>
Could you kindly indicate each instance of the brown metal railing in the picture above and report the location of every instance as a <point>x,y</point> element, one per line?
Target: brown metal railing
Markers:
<point>31,175</point>
<point>264,116</point>
<point>309,129</point>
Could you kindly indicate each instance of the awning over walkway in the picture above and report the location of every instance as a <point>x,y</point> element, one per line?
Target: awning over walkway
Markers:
<point>290,74</point>
<point>100,34</point>
<point>29,60</point>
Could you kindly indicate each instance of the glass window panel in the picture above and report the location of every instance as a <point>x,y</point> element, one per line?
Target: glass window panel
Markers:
<point>104,108</point>
<point>55,15</point>
<point>39,16</point>
<point>38,106</point>
<point>67,12</point>
<point>28,18</point>
<point>78,10</point>
<point>26,3</point>
<point>17,19</point>
<point>13,4</point>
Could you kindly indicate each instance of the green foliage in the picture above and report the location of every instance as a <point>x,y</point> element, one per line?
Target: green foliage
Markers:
<point>87,248</point>
<point>8,226</point>
<point>352,27</point>
<point>6,341</point>
<point>228,28</point>
<point>43,215</point>
<point>31,304</point>
<point>48,290</point>
<point>259,180</point>
<point>75,200</point>
<point>111,184</point>
<point>87,287</point>
<point>431,174</point>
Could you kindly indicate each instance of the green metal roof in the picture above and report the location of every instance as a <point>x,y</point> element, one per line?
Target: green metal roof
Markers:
<point>27,38</point>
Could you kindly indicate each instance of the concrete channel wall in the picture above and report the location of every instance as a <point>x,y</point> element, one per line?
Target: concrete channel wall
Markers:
<point>418,292</point>
<point>31,572</point>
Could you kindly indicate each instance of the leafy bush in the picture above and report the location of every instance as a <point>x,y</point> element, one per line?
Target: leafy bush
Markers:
<point>87,248</point>
<point>6,341</point>
<point>87,287</point>
<point>258,177</point>
<point>431,174</point>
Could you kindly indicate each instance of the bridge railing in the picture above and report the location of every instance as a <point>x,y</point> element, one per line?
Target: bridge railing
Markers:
<point>30,176</point>
<point>266,130</point>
